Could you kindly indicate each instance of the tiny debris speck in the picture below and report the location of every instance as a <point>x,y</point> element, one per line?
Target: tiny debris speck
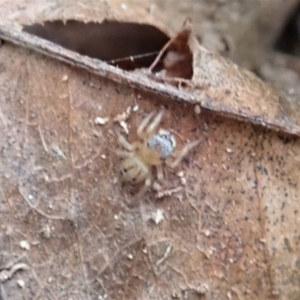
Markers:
<point>121,117</point>
<point>180,174</point>
<point>123,6</point>
<point>183,181</point>
<point>128,110</point>
<point>65,78</point>
<point>158,216</point>
<point>130,256</point>
<point>24,245</point>
<point>197,109</point>
<point>101,121</point>
<point>57,151</point>
<point>21,283</point>
<point>124,127</point>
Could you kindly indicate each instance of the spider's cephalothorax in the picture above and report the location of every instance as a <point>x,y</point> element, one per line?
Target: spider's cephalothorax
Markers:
<point>154,148</point>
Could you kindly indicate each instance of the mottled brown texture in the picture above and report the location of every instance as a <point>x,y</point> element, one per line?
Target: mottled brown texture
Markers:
<point>222,86</point>
<point>231,233</point>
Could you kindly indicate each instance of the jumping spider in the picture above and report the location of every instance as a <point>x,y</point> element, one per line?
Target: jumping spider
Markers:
<point>155,148</point>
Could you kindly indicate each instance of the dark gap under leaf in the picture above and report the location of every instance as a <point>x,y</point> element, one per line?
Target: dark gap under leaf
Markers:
<point>289,40</point>
<point>126,45</point>
<point>176,55</point>
<point>178,61</point>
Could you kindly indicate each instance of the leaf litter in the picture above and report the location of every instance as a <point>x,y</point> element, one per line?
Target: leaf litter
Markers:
<point>237,219</point>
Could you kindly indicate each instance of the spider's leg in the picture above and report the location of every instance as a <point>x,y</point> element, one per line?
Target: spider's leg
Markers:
<point>148,181</point>
<point>124,154</point>
<point>141,176</point>
<point>126,144</point>
<point>154,124</point>
<point>144,123</point>
<point>160,172</point>
<point>144,189</point>
<point>179,155</point>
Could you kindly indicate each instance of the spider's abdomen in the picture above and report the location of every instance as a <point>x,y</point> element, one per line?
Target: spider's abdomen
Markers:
<point>163,142</point>
<point>133,170</point>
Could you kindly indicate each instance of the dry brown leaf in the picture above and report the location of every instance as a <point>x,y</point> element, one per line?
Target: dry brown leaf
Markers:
<point>232,232</point>
<point>217,84</point>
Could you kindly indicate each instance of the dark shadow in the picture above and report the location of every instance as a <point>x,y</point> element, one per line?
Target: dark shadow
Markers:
<point>289,39</point>
<point>125,45</point>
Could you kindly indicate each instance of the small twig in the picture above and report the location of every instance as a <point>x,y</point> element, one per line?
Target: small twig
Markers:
<point>132,57</point>
<point>165,256</point>
<point>162,51</point>
<point>51,217</point>
<point>3,295</point>
<point>8,273</point>
<point>167,45</point>
<point>164,193</point>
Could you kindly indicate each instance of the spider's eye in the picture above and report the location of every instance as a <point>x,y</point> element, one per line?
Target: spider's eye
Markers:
<point>123,171</point>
